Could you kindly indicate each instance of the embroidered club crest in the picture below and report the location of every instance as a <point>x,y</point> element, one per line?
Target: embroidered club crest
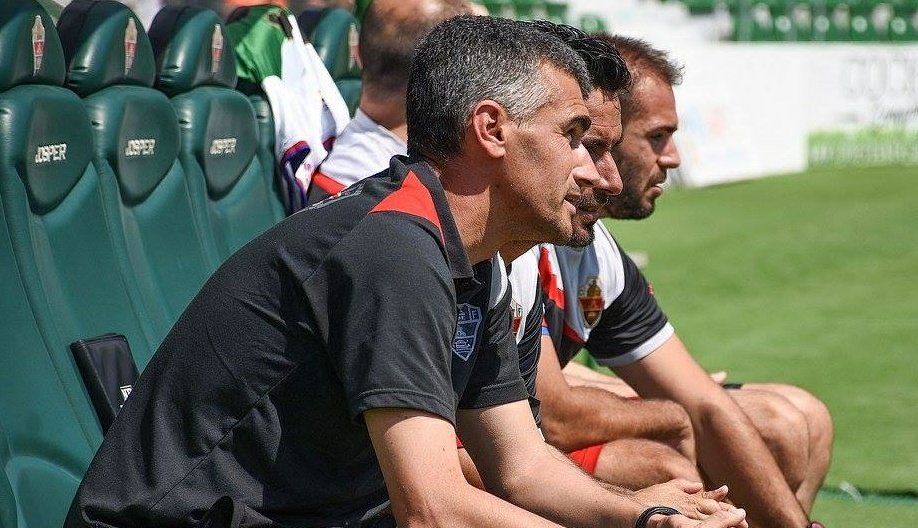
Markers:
<point>468,319</point>
<point>591,301</point>
<point>38,44</point>
<point>517,313</point>
<point>130,45</point>
<point>216,49</point>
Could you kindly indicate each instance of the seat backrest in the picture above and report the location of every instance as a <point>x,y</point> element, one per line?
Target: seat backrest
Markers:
<point>59,280</point>
<point>219,131</point>
<point>167,249</point>
<point>266,148</point>
<point>334,34</point>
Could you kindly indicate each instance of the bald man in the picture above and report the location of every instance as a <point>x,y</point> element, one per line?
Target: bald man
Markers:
<point>390,31</point>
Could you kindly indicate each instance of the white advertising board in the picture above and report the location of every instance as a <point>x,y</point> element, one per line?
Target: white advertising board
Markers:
<point>750,110</point>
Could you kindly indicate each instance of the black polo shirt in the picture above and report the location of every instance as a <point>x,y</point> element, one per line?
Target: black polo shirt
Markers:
<point>362,301</point>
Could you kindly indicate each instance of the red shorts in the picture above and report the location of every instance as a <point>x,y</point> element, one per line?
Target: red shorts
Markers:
<point>586,457</point>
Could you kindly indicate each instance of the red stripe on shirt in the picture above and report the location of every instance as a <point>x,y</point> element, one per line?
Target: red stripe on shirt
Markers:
<point>572,334</point>
<point>411,198</point>
<point>549,279</point>
<point>327,184</point>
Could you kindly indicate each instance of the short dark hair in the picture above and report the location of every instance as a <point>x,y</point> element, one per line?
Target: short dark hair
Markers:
<point>386,45</point>
<point>643,60</point>
<point>608,71</point>
<point>468,59</point>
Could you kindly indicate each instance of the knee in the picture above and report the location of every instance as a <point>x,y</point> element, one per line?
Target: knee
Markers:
<point>816,413</point>
<point>670,464</point>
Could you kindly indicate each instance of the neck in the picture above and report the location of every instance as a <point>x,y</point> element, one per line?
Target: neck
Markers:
<point>388,111</point>
<point>465,184</point>
<point>513,250</point>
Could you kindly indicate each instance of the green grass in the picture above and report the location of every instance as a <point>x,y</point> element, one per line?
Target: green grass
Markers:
<point>809,279</point>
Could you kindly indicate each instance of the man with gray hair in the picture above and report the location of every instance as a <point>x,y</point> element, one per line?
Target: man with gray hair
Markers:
<point>320,376</point>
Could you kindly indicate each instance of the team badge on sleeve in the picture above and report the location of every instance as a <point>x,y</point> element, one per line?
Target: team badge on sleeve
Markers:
<point>468,318</point>
<point>517,313</point>
<point>591,301</point>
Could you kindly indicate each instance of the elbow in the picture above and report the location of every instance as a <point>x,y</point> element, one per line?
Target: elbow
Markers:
<point>558,433</point>
<point>425,513</point>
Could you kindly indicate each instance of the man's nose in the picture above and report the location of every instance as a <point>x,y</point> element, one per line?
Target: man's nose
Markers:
<point>585,173</point>
<point>669,158</point>
<point>608,169</point>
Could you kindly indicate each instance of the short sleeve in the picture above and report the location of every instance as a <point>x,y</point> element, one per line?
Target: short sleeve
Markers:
<point>496,378</point>
<point>528,321</point>
<point>632,326</point>
<point>391,316</point>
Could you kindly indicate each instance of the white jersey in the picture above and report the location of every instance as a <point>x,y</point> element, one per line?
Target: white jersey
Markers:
<point>595,297</point>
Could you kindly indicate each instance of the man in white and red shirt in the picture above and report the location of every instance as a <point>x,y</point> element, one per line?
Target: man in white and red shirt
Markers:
<point>770,443</point>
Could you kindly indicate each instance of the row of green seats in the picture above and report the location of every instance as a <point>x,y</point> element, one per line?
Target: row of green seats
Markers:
<point>778,7</point>
<point>802,25</point>
<point>552,10</point>
<point>117,200</point>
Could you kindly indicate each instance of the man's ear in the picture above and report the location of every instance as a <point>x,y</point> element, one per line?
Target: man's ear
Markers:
<point>489,127</point>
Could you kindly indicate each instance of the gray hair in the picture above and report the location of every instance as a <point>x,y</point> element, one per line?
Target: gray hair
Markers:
<point>469,59</point>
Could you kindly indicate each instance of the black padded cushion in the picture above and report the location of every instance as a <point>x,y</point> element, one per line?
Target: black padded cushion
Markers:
<point>104,45</point>
<point>45,137</point>
<point>30,50</point>
<point>223,132</point>
<point>191,49</point>
<point>137,133</point>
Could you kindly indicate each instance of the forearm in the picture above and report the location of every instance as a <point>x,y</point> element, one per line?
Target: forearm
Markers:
<point>552,487</point>
<point>587,416</point>
<point>469,506</point>
<point>730,451</point>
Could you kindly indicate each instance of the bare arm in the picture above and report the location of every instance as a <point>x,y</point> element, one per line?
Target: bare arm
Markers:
<point>516,465</point>
<point>577,375</point>
<point>730,450</point>
<point>580,416</point>
<point>417,454</point>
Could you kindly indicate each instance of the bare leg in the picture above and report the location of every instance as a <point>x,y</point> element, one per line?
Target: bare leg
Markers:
<point>783,428</point>
<point>821,433</point>
<point>638,463</point>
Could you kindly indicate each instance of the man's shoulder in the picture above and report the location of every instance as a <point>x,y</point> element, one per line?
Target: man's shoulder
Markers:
<point>363,149</point>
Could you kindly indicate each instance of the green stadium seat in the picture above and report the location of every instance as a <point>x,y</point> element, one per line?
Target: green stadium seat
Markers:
<point>784,29</point>
<point>839,23</point>
<point>904,29</point>
<point>861,29</point>
<point>802,21</point>
<point>500,8</point>
<point>762,23</point>
<point>219,131</point>
<point>530,9</point>
<point>821,26</point>
<point>593,24</point>
<point>700,7</point>
<point>556,11</point>
<point>60,280</point>
<point>265,119</point>
<point>167,249</point>
<point>334,34</point>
